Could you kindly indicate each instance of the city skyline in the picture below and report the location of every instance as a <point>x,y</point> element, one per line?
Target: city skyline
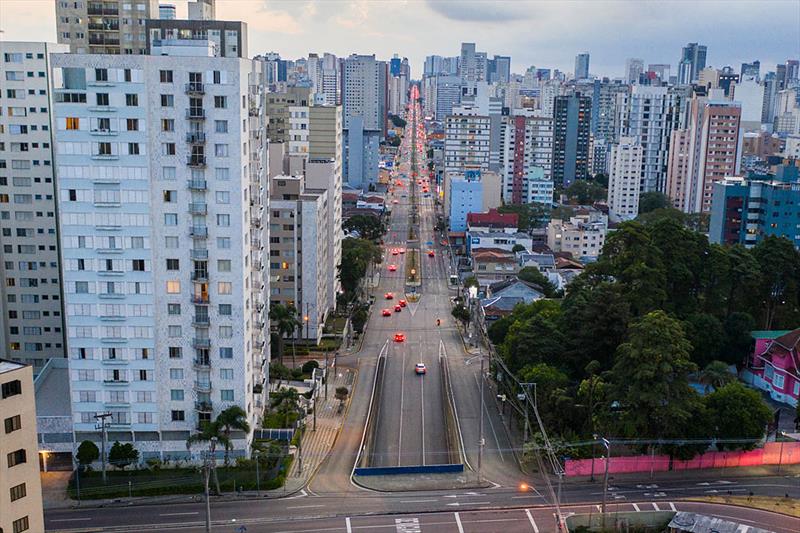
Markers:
<point>294,29</point>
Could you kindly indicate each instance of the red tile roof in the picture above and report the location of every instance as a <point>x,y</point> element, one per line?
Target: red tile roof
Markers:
<point>493,219</point>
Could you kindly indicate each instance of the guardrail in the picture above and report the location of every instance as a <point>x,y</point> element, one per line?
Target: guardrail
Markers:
<point>417,469</point>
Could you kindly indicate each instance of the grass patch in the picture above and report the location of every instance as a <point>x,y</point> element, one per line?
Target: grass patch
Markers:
<point>789,506</point>
<point>412,266</point>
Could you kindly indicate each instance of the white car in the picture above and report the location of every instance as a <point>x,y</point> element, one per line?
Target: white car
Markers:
<point>419,368</point>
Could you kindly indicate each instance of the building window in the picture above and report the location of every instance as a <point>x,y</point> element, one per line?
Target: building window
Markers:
<point>73,123</point>
<point>167,124</point>
<point>173,264</point>
<point>18,492</point>
<point>173,286</point>
<point>13,423</point>
<point>18,526</point>
<point>132,100</point>
<point>16,458</point>
<point>224,265</point>
<point>167,100</point>
<point>11,388</point>
<point>225,309</point>
<point>166,77</point>
<point>220,102</point>
<point>173,309</point>
<point>175,352</point>
<point>226,352</point>
<point>224,287</point>
<point>170,219</point>
<point>226,395</point>
<point>176,395</point>
<point>178,416</point>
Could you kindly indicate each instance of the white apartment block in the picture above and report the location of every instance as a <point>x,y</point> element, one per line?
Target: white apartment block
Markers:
<point>624,177</point>
<point>298,131</point>
<point>161,184</point>
<point>466,141</point>
<point>104,26</point>
<point>583,235</point>
<point>300,254</point>
<point>364,87</point>
<point>649,114</point>
<point>526,156</point>
<point>20,485</point>
<point>31,320</point>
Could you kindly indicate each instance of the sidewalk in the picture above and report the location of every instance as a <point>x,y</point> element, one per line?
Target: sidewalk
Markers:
<point>317,444</point>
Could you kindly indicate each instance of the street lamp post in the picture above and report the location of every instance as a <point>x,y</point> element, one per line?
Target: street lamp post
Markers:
<point>258,477</point>
<point>607,445</point>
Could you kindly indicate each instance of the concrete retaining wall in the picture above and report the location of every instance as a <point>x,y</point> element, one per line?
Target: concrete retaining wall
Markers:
<point>418,469</point>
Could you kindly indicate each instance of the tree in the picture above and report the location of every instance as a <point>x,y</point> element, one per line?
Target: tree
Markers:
<point>460,312</point>
<point>87,453</point>
<point>283,320</point>
<point>716,375</point>
<point>779,262</point>
<point>532,275</point>
<point>234,417</point>
<point>471,281</point>
<point>529,216</point>
<point>650,201</point>
<point>211,433</point>
<point>517,248</point>
<point>341,394</point>
<point>357,255</point>
<point>121,455</point>
<point>585,192</point>
<point>534,337</point>
<point>552,400</point>
<point>397,121</point>
<point>738,412</point>
<point>707,336</point>
<point>498,329</point>
<point>368,227</point>
<point>285,401</point>
<point>359,319</point>
<point>738,339</point>
<point>651,377</point>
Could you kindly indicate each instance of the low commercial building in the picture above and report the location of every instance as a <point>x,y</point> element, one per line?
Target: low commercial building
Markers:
<point>477,240</point>
<point>493,220</point>
<point>494,265</point>
<point>20,487</point>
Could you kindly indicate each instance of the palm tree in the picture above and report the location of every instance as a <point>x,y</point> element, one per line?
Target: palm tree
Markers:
<point>716,375</point>
<point>285,401</point>
<point>210,432</point>
<point>283,319</point>
<point>231,418</point>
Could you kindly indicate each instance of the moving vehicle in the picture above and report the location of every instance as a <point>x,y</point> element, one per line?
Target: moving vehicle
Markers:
<point>386,312</point>
<point>401,303</point>
<point>398,308</point>
<point>392,268</point>
<point>399,337</point>
<point>389,296</point>
<point>419,368</point>
<point>431,253</point>
<point>395,252</point>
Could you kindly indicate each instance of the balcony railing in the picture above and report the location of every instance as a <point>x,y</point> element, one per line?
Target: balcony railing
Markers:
<point>198,185</point>
<point>203,363</point>
<point>194,88</point>
<point>200,276</point>
<point>198,254</point>
<point>195,137</point>
<point>202,321</point>
<point>202,385</point>
<point>199,231</point>
<point>205,407</point>
<point>197,161</point>
<point>198,208</point>
<point>202,300</point>
<point>195,113</point>
<point>199,342</point>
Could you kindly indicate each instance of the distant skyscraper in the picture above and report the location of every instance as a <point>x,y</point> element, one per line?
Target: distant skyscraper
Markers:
<point>500,69</point>
<point>466,66</point>
<point>634,68</point>
<point>624,178</point>
<point>582,66</point>
<point>693,55</point>
<point>166,11</point>
<point>661,70</point>
<point>792,71</point>
<point>571,131</point>
<point>751,70</point>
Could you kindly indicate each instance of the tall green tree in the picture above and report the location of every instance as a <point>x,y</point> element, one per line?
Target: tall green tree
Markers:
<point>122,455</point>
<point>779,263</point>
<point>87,453</point>
<point>232,418</point>
<point>651,377</point>
<point>532,275</point>
<point>585,192</point>
<point>738,412</point>
<point>210,433</point>
<point>537,339</point>
<point>716,375</point>
<point>555,404</point>
<point>357,255</point>
<point>707,336</point>
<point>284,322</point>
<point>650,201</point>
<point>738,339</point>
<point>368,227</point>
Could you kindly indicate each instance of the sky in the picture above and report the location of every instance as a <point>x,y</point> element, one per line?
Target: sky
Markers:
<point>544,33</point>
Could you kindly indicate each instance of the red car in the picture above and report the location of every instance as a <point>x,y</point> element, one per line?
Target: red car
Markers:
<point>402,303</point>
<point>395,252</point>
<point>399,337</point>
<point>392,268</point>
<point>397,308</point>
<point>431,253</point>
<point>386,312</point>
<point>401,250</point>
<point>389,296</point>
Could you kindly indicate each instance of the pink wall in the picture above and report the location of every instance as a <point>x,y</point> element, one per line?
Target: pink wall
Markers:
<point>770,454</point>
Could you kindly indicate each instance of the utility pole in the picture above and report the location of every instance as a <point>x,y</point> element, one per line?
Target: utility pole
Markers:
<point>258,477</point>
<point>481,440</point>
<point>607,445</point>
<point>102,418</point>
<point>325,377</point>
<point>207,465</point>
<point>527,397</point>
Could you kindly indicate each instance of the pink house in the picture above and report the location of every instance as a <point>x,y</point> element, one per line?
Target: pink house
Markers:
<point>775,366</point>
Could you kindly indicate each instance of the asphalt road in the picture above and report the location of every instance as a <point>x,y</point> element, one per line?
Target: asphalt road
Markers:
<point>410,427</point>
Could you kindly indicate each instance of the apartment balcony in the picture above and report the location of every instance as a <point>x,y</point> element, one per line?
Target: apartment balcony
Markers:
<point>199,342</point>
<point>202,386</point>
<point>196,137</point>
<point>201,321</point>
<point>96,10</point>
<point>198,208</point>
<point>200,300</point>
<point>114,361</point>
<point>118,425</point>
<point>101,40</point>
<point>202,363</point>
<point>256,212</point>
<point>194,88</point>
<point>198,254</point>
<point>115,382</point>
<point>196,161</point>
<point>112,318</point>
<point>104,132</point>
<point>198,185</point>
<point>255,242</point>
<point>199,231</point>
<point>104,26</point>
<point>204,407</point>
<point>195,113</point>
<point>105,157</point>
<point>109,250</point>
<point>200,276</point>
<point>110,273</point>
<point>110,296</point>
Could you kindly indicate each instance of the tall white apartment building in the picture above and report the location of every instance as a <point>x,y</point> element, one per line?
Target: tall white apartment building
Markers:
<point>162,190</point>
<point>624,177</point>
<point>104,26</point>
<point>526,144</point>
<point>466,140</point>
<point>649,114</point>
<point>31,319</point>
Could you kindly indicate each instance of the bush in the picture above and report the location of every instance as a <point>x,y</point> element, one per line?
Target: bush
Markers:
<point>309,366</point>
<point>87,453</point>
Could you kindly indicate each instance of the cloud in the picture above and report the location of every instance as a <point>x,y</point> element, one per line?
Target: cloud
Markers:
<point>481,10</point>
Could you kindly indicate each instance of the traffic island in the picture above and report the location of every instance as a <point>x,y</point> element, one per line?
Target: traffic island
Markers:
<point>413,278</point>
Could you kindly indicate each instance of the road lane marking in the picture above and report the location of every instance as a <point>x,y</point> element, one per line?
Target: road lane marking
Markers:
<point>419,501</point>
<point>304,506</point>
<point>491,424</point>
<point>179,514</point>
<point>458,523</point>
<point>70,519</point>
<point>347,525</point>
<point>636,506</point>
<point>655,506</point>
<point>407,525</point>
<point>532,521</point>
<point>672,507</point>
